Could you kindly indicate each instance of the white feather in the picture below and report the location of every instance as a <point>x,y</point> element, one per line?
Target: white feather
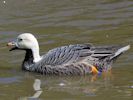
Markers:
<point>121,50</point>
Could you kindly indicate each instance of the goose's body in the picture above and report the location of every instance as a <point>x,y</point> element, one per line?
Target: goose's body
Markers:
<point>78,59</point>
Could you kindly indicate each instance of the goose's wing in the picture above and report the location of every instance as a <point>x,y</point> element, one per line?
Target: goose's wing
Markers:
<point>67,54</point>
<point>79,52</point>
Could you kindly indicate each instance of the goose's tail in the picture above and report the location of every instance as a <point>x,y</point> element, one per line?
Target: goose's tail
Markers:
<point>120,51</point>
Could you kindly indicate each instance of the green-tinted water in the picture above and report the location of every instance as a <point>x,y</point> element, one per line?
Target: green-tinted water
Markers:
<point>61,22</point>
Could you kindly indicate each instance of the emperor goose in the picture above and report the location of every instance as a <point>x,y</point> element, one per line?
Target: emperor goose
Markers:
<point>77,59</point>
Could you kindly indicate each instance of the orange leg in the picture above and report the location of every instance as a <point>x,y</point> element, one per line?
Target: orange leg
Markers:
<point>95,73</point>
<point>94,70</point>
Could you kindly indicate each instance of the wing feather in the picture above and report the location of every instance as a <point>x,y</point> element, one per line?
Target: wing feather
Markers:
<point>65,54</point>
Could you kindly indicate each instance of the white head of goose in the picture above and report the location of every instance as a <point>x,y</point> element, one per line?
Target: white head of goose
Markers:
<point>78,59</point>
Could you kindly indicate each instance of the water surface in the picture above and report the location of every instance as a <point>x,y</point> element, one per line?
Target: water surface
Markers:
<point>62,22</point>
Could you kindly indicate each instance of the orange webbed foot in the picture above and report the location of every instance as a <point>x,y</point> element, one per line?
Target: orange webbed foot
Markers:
<point>94,70</point>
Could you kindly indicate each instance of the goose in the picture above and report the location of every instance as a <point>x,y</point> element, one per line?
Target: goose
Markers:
<point>76,59</point>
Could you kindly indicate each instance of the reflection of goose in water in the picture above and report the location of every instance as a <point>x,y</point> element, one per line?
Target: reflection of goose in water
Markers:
<point>37,89</point>
<point>76,59</point>
<point>74,85</point>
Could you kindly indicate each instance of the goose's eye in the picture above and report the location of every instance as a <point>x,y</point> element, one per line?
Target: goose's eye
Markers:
<point>20,40</point>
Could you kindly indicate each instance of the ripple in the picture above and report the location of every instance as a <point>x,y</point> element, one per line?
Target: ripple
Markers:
<point>9,80</point>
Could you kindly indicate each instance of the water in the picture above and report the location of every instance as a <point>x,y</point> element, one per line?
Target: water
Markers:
<point>61,22</point>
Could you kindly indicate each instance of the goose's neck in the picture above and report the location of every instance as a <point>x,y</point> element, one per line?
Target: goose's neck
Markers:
<point>36,54</point>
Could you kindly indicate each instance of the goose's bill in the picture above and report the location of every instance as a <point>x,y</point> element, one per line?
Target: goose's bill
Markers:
<point>12,45</point>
